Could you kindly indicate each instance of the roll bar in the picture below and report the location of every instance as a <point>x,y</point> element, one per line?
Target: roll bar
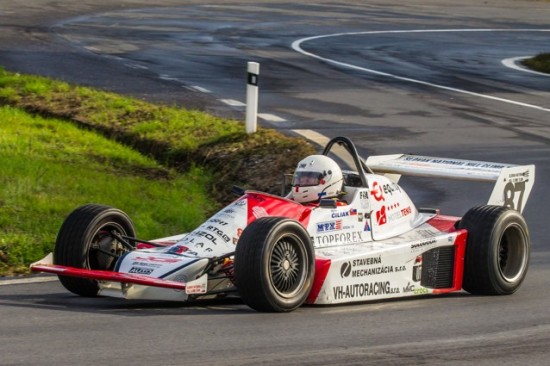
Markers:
<point>350,148</point>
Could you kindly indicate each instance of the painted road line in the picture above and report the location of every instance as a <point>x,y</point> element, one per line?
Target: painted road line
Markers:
<point>233,102</point>
<point>136,66</point>
<point>297,46</point>
<point>200,89</point>
<point>513,63</point>
<point>196,88</point>
<point>169,78</point>
<point>322,140</point>
<point>27,280</point>
<point>92,49</point>
<point>271,117</point>
<point>313,136</point>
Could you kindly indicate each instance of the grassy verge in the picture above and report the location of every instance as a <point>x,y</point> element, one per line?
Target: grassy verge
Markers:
<point>63,145</point>
<point>174,137</point>
<point>50,166</point>
<point>540,63</point>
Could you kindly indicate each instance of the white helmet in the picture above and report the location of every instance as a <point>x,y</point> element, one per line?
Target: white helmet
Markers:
<point>316,177</point>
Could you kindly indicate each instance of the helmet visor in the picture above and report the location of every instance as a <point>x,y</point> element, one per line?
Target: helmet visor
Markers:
<point>306,179</point>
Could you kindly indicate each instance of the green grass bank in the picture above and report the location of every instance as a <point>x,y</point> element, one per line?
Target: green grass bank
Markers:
<point>63,145</point>
<point>540,63</point>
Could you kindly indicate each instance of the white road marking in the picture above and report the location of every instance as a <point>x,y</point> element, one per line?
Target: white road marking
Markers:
<point>271,117</point>
<point>233,102</point>
<point>196,88</point>
<point>21,281</point>
<point>92,49</point>
<point>512,63</point>
<point>201,89</point>
<point>322,140</point>
<point>297,46</point>
<point>136,66</point>
<point>313,136</point>
<point>168,78</point>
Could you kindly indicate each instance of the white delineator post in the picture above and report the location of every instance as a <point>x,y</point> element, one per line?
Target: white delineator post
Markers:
<point>253,71</point>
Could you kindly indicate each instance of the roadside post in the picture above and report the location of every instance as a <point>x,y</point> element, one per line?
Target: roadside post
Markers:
<point>253,71</point>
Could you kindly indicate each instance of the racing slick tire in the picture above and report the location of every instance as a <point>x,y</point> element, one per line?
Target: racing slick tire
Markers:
<point>84,234</point>
<point>497,250</point>
<point>274,264</point>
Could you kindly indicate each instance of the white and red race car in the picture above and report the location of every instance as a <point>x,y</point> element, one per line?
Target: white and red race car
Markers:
<point>277,254</point>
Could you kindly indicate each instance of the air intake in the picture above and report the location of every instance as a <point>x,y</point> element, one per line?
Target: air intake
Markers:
<point>437,267</point>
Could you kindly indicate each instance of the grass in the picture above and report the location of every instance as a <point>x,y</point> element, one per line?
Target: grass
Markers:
<point>540,63</point>
<point>184,131</point>
<point>64,145</point>
<point>50,167</point>
<point>173,136</point>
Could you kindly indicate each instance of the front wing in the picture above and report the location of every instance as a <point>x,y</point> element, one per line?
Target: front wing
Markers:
<point>128,285</point>
<point>107,276</point>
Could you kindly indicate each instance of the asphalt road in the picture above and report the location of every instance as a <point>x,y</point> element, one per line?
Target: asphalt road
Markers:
<point>420,77</point>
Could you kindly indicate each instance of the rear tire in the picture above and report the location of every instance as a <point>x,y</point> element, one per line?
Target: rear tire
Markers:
<point>497,251</point>
<point>274,264</point>
<point>87,229</point>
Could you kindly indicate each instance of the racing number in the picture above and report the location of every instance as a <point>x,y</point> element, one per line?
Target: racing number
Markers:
<point>510,190</point>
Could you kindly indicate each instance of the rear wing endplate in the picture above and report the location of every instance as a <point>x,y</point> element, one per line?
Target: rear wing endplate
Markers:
<point>512,183</point>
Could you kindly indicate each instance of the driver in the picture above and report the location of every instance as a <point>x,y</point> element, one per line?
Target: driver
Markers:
<point>316,177</point>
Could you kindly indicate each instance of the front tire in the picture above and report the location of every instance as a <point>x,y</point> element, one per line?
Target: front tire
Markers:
<point>274,264</point>
<point>497,251</point>
<point>83,240</point>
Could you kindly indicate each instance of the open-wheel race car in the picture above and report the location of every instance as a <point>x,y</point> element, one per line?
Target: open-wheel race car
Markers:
<point>361,239</point>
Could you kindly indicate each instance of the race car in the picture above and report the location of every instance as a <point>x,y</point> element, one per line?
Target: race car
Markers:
<point>369,243</point>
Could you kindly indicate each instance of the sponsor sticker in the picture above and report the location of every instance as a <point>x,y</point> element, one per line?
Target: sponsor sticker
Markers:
<point>324,227</point>
<point>195,289</point>
<point>141,271</point>
<point>364,290</point>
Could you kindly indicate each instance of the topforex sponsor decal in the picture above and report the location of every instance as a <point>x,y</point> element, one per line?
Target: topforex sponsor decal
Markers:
<point>339,238</point>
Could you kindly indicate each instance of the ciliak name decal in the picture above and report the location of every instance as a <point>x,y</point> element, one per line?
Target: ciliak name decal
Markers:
<point>364,289</point>
<point>337,214</point>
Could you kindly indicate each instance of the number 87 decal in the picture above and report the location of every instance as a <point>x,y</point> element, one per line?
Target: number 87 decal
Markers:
<point>510,191</point>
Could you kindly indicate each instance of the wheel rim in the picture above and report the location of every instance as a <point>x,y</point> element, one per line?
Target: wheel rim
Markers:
<point>512,253</point>
<point>104,241</point>
<point>288,266</point>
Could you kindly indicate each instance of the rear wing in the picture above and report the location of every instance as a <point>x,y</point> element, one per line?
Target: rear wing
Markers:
<point>513,183</point>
